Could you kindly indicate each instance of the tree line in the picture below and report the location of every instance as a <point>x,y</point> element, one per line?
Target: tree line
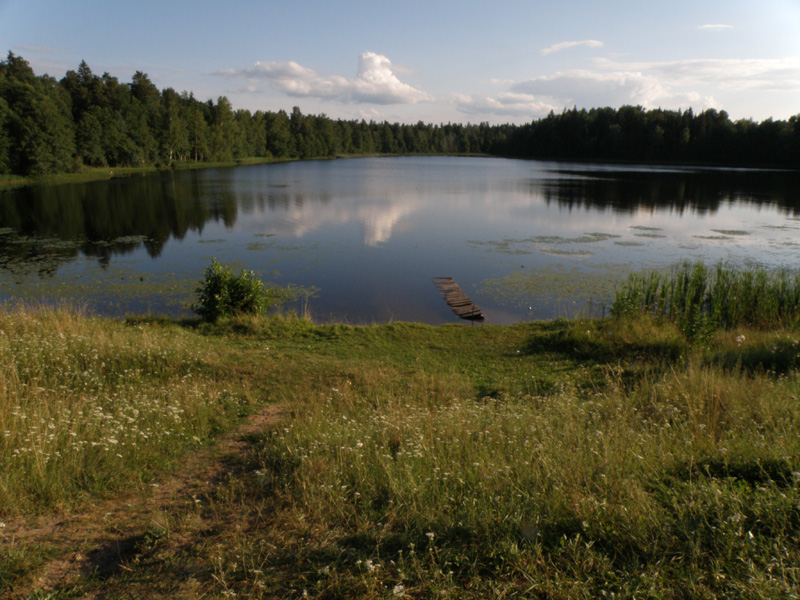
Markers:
<point>55,126</point>
<point>631,133</point>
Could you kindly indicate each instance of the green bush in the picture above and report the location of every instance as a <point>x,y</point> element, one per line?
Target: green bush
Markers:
<point>223,294</point>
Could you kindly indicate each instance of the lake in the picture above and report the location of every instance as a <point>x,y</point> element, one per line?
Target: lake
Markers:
<point>524,239</point>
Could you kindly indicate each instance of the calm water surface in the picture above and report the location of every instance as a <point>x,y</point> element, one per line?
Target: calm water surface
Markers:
<point>525,239</point>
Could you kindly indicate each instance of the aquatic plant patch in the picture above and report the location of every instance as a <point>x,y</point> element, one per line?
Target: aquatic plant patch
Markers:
<point>702,299</point>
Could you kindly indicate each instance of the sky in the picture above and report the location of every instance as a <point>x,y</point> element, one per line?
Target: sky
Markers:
<point>436,61</point>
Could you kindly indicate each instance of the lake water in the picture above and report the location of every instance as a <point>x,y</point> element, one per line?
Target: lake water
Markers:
<point>524,239</point>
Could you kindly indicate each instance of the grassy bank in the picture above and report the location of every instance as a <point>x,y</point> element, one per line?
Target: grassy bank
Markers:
<point>87,174</point>
<point>567,459</point>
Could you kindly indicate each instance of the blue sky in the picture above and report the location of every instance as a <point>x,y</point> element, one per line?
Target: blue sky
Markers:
<point>436,60</point>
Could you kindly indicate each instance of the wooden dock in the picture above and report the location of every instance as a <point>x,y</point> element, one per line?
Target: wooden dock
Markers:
<point>457,300</point>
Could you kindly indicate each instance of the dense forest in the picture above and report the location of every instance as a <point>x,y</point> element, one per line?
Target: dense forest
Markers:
<point>51,126</point>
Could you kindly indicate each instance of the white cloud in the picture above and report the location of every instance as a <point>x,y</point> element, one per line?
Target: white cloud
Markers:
<point>371,114</point>
<point>505,104</point>
<point>696,83</point>
<point>585,89</point>
<point>565,45</point>
<point>248,89</point>
<point>715,27</point>
<point>730,74</point>
<point>376,81</point>
<point>588,89</point>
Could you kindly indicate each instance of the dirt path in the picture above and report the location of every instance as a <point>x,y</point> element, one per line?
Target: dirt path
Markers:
<point>102,536</point>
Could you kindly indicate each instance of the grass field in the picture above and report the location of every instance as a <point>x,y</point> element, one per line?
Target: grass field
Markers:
<point>268,457</point>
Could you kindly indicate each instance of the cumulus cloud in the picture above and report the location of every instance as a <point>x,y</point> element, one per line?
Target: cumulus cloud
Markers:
<point>376,81</point>
<point>565,45</point>
<point>715,27</point>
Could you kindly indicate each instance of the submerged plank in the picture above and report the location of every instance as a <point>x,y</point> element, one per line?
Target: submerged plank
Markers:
<point>457,300</point>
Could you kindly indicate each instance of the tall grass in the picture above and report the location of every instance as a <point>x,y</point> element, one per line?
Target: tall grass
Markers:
<point>683,484</point>
<point>582,459</point>
<point>701,300</point>
<point>87,406</point>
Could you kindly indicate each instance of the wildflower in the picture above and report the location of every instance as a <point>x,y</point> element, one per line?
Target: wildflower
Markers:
<point>399,590</point>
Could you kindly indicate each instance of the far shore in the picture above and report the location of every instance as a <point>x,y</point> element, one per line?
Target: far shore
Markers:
<point>89,174</point>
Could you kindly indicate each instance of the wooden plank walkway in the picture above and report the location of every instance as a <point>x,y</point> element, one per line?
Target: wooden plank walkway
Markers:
<point>458,301</point>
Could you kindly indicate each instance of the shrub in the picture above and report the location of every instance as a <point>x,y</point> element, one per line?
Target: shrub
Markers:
<point>222,294</point>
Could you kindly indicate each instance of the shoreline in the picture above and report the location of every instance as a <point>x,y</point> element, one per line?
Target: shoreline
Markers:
<point>91,174</point>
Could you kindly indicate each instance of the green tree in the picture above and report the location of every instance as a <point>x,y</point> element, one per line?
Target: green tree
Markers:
<point>278,135</point>
<point>222,131</point>
<point>40,134</point>
<point>174,128</point>
<point>89,139</point>
<point>198,133</point>
<point>5,140</point>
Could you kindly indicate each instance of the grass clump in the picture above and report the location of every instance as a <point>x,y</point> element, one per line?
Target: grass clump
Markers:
<point>700,300</point>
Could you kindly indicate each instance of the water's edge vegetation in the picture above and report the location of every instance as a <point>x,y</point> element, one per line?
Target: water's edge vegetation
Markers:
<point>84,122</point>
<point>631,455</point>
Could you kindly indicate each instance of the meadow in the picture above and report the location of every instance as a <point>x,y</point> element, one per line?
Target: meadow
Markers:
<point>618,457</point>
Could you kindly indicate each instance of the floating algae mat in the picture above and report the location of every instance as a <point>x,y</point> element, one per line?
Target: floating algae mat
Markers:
<point>585,287</point>
<point>731,231</point>
<point>545,243</point>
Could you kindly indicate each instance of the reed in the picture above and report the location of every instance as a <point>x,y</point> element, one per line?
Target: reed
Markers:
<point>701,299</point>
